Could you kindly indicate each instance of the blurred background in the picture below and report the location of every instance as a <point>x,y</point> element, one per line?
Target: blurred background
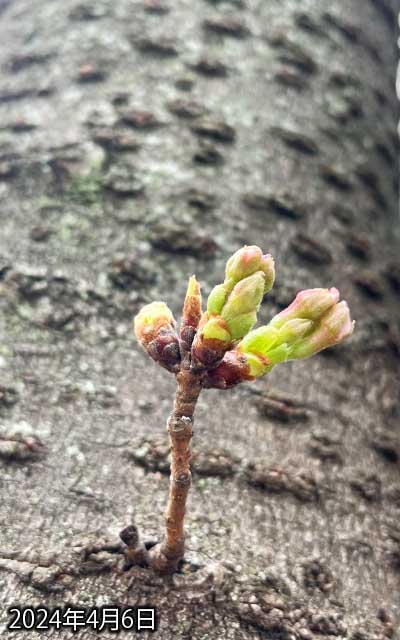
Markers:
<point>142,141</point>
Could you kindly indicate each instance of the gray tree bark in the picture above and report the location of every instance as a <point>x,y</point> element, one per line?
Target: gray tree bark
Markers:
<point>142,142</point>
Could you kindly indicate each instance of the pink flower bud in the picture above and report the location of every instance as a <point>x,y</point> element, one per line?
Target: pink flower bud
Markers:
<point>310,304</point>
<point>243,263</point>
<point>332,328</point>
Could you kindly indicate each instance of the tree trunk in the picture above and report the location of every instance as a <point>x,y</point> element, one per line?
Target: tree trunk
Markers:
<point>143,141</point>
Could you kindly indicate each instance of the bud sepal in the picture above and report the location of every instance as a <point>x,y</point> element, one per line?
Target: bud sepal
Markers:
<point>191,313</point>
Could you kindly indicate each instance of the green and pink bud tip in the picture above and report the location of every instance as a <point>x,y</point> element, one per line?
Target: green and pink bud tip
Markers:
<point>247,261</point>
<point>155,330</point>
<point>233,305</point>
<point>314,321</point>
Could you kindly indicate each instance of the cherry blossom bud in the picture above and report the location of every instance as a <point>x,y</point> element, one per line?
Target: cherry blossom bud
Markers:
<point>309,304</point>
<point>217,299</point>
<point>218,332</point>
<point>286,337</point>
<point>332,328</point>
<point>245,297</point>
<point>247,261</point>
<point>243,263</point>
<point>294,329</point>
<point>233,305</point>
<point>154,327</point>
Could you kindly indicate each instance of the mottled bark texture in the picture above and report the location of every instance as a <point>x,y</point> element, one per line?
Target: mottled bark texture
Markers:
<point>143,141</point>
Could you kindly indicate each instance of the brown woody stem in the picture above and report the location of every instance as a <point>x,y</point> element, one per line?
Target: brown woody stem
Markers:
<point>166,556</point>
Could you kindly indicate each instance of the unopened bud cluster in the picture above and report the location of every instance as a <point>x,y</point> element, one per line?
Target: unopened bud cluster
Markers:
<point>233,305</point>
<point>221,343</point>
<point>314,321</point>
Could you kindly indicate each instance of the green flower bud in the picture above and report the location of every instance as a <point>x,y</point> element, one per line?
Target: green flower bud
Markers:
<point>333,327</point>
<point>216,299</point>
<point>287,337</point>
<point>247,261</point>
<point>310,304</point>
<point>234,304</point>
<point>243,263</point>
<point>246,296</point>
<point>294,330</point>
<point>241,324</point>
